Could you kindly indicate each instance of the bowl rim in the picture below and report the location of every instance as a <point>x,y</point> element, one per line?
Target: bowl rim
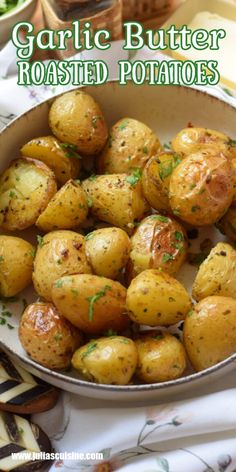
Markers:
<point>16,10</point>
<point>60,376</point>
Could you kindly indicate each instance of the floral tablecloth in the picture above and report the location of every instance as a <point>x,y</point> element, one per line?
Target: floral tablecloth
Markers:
<point>186,435</point>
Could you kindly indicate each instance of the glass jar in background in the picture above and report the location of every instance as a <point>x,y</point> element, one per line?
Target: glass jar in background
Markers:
<point>68,10</point>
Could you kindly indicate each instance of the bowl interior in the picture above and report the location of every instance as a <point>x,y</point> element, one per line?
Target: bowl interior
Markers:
<point>166,110</point>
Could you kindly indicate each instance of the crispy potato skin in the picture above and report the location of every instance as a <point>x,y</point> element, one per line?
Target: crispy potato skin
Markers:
<point>68,209</point>
<point>210,331</point>
<point>162,357</point>
<point>48,337</point>
<point>111,360</point>
<point>50,151</point>
<point>156,299</point>
<point>76,118</point>
<point>107,250</point>
<point>217,274</point>
<point>93,304</point>
<point>159,241</point>
<point>156,179</point>
<point>202,188</point>
<point>131,143</point>
<point>26,187</point>
<point>16,265</point>
<point>115,200</point>
<point>191,140</point>
<point>60,253</point>
<point>227,224</point>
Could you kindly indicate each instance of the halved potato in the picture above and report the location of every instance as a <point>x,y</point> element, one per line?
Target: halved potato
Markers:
<point>26,187</point>
<point>67,209</point>
<point>60,157</point>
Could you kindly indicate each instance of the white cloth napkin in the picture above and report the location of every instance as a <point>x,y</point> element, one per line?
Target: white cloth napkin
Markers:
<point>188,434</point>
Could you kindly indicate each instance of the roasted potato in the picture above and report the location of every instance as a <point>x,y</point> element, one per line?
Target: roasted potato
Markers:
<point>59,253</point>
<point>202,188</point>
<point>159,241</point>
<point>47,337</point>
<point>92,303</point>
<point>60,157</point>
<point>26,187</point>
<point>116,199</point>
<point>68,209</point>
<point>227,224</point>
<point>76,118</point>
<point>191,140</point>
<point>16,265</point>
<point>156,179</point>
<point>155,298</point>
<point>131,143</point>
<point>217,274</point>
<point>110,360</point>
<point>161,356</point>
<point>107,250</point>
<point>210,331</point>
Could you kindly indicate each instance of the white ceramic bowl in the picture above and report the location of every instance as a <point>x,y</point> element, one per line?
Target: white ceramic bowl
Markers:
<point>166,109</point>
<point>8,20</point>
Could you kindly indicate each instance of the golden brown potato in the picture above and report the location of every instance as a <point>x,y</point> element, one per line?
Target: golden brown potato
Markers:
<point>116,199</point>
<point>217,274</point>
<point>155,298</point>
<point>68,209</point>
<point>210,331</point>
<point>59,253</point>
<point>107,250</point>
<point>158,242</point>
<point>76,118</point>
<point>131,143</point>
<point>191,140</point>
<point>48,337</point>
<point>16,265</point>
<point>161,356</point>
<point>92,303</point>
<point>26,187</point>
<point>62,158</point>
<point>202,188</point>
<point>110,360</point>
<point>227,224</point>
<point>156,179</point>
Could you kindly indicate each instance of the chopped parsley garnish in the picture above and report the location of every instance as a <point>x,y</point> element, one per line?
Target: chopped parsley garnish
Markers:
<point>232,142</point>
<point>179,236</point>
<point>12,194</point>
<point>58,284</point>
<point>176,212</point>
<point>167,146</point>
<point>40,241</point>
<point>123,125</point>
<point>158,337</point>
<point>167,257</point>
<point>95,298</point>
<point>161,218</point>
<point>145,150</point>
<point>110,332</point>
<point>89,236</point>
<point>92,177</point>
<point>8,5</point>
<point>90,348</point>
<point>134,178</point>
<point>32,252</point>
<point>58,337</point>
<point>166,168</point>
<point>70,149</point>
<point>190,313</point>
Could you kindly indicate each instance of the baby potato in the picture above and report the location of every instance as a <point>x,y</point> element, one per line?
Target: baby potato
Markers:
<point>107,250</point>
<point>92,303</point>
<point>156,179</point>
<point>191,140</point>
<point>217,274</point>
<point>116,199</point>
<point>131,143</point>
<point>59,253</point>
<point>26,187</point>
<point>68,209</point>
<point>47,337</point>
<point>210,331</point>
<point>76,118</point>
<point>161,356</point>
<point>202,188</point>
<point>16,265</point>
<point>60,157</point>
<point>158,242</point>
<point>111,360</point>
<point>227,224</point>
<point>155,298</point>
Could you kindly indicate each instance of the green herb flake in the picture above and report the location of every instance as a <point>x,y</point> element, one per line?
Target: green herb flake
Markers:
<point>90,348</point>
<point>93,299</point>
<point>58,337</point>
<point>89,202</point>
<point>110,332</point>
<point>1,259</point>
<point>195,208</point>
<point>166,168</point>
<point>58,283</point>
<point>40,241</point>
<point>123,125</point>
<point>161,218</point>
<point>20,430</point>
<point>134,178</point>
<point>145,150</point>
<point>179,236</point>
<point>167,257</point>
<point>176,212</point>
<point>158,337</point>
<point>167,146</point>
<point>192,186</point>
<point>89,236</point>
<point>71,150</point>
<point>32,252</point>
<point>92,177</point>
<point>12,194</point>
<point>190,313</point>
<point>2,321</point>
<point>232,142</point>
